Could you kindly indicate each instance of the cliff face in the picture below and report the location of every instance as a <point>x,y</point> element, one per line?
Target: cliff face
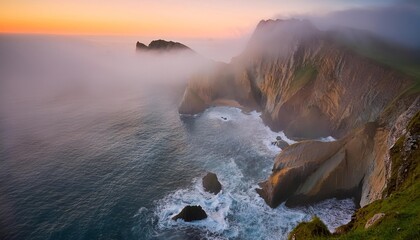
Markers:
<point>309,85</point>
<point>323,169</point>
<point>218,86</point>
<point>304,83</point>
<point>357,165</point>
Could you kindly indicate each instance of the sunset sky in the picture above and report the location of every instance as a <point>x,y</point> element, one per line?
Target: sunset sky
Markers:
<point>186,18</point>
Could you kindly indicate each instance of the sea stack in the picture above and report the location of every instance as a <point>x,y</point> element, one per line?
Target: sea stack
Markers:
<point>162,45</point>
<point>191,213</point>
<point>211,183</point>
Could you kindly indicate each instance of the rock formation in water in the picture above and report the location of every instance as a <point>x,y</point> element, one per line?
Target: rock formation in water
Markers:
<point>162,45</point>
<point>191,213</point>
<point>211,183</point>
<point>309,84</point>
<point>280,143</point>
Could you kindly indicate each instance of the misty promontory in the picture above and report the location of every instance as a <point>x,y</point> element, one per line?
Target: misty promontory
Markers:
<point>311,84</point>
<point>162,45</point>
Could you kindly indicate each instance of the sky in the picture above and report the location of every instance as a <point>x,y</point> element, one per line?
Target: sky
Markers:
<point>164,18</point>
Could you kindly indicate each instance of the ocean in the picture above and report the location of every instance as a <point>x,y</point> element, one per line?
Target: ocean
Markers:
<point>93,147</point>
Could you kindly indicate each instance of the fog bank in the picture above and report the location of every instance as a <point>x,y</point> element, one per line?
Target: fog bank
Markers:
<point>396,22</point>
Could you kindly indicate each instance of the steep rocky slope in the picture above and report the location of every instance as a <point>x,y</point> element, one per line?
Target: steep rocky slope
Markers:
<point>397,214</point>
<point>357,165</point>
<point>310,85</point>
<point>303,81</point>
<point>322,169</point>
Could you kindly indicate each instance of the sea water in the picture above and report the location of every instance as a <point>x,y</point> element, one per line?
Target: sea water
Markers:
<point>88,151</point>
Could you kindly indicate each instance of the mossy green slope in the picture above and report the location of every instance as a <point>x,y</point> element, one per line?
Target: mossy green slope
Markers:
<point>396,57</point>
<point>310,230</point>
<point>302,77</point>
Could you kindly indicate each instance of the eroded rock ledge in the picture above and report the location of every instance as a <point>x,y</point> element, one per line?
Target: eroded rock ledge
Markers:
<point>354,166</point>
<point>310,171</point>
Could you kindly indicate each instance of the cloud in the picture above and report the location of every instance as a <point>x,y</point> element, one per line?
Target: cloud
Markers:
<point>396,22</point>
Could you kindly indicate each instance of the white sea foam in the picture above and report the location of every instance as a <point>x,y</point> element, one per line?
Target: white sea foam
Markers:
<point>238,211</point>
<point>327,139</point>
<point>252,124</point>
<point>217,206</point>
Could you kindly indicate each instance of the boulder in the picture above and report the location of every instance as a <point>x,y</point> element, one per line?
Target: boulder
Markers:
<point>281,144</point>
<point>191,213</point>
<point>375,219</point>
<point>211,183</point>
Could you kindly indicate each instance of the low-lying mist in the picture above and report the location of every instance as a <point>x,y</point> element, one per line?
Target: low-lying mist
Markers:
<point>50,66</point>
<point>398,22</point>
<point>50,83</point>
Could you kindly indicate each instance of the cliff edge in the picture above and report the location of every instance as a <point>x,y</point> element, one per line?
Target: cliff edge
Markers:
<point>312,85</point>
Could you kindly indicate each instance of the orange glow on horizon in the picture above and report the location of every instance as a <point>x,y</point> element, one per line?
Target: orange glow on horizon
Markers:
<point>112,27</point>
<point>186,18</point>
<point>124,18</point>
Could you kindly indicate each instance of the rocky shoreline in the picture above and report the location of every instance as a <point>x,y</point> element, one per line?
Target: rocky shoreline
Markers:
<point>296,93</point>
<point>312,87</point>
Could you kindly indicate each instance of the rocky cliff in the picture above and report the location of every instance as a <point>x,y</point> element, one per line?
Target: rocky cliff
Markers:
<point>311,85</point>
<point>304,82</point>
<point>396,216</point>
<point>162,45</point>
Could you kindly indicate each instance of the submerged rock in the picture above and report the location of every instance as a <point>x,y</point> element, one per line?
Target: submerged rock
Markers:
<point>211,183</point>
<point>191,213</point>
<point>280,143</point>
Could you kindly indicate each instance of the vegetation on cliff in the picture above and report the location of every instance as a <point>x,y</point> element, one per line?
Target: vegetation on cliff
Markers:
<point>302,76</point>
<point>307,230</point>
<point>382,52</point>
<point>305,83</point>
<point>311,85</point>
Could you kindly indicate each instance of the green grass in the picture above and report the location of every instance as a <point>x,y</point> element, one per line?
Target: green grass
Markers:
<point>392,56</point>
<point>398,63</point>
<point>408,160</point>
<point>310,230</point>
<point>401,207</point>
<point>302,76</point>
